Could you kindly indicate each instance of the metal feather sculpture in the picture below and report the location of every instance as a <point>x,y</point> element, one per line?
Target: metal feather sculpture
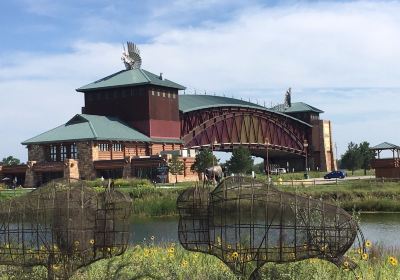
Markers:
<point>131,57</point>
<point>247,223</point>
<point>63,226</point>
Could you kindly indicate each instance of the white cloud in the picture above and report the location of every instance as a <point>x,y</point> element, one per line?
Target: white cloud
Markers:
<point>258,54</point>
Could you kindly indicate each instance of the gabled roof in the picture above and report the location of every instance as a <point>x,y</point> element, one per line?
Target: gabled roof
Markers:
<point>297,107</point>
<point>132,77</point>
<point>385,146</point>
<point>189,102</point>
<point>89,127</point>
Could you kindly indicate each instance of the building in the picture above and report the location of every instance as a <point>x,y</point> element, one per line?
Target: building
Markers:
<point>386,167</point>
<point>321,143</point>
<point>133,121</point>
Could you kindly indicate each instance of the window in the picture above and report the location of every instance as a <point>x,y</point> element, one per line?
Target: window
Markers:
<point>158,93</point>
<point>152,92</point>
<point>163,94</point>
<point>169,95</point>
<point>117,147</point>
<point>63,152</point>
<point>173,96</point>
<point>53,152</point>
<point>103,147</point>
<point>74,151</point>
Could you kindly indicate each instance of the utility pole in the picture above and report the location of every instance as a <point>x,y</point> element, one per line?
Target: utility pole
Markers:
<point>337,160</point>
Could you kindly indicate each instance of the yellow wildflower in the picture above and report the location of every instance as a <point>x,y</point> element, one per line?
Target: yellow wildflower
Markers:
<point>76,243</point>
<point>393,261</point>
<point>364,256</point>
<point>346,264</point>
<point>184,263</point>
<point>56,266</point>
<point>152,238</point>
<point>91,241</point>
<point>235,255</point>
<point>229,246</point>
<point>368,244</point>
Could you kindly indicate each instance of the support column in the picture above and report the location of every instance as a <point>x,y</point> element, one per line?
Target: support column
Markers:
<point>71,170</point>
<point>127,171</point>
<point>30,176</point>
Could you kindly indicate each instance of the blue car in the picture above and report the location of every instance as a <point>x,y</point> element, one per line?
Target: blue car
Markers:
<point>335,174</point>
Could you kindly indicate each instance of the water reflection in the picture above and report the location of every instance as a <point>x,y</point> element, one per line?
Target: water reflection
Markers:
<point>381,227</point>
<point>377,227</point>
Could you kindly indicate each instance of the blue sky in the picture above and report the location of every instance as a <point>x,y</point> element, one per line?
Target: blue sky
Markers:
<point>340,56</point>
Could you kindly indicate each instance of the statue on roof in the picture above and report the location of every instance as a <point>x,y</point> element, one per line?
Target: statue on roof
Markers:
<point>131,57</point>
<point>288,98</point>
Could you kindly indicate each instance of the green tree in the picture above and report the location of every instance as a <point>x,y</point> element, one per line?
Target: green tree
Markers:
<point>367,155</point>
<point>175,167</point>
<point>351,159</point>
<point>203,160</point>
<point>259,168</point>
<point>10,160</point>
<point>240,161</point>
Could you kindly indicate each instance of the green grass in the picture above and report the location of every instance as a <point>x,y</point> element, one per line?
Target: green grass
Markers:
<point>359,195</point>
<point>148,261</point>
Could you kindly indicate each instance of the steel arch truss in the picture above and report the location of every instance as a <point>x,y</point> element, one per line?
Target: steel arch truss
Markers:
<point>227,127</point>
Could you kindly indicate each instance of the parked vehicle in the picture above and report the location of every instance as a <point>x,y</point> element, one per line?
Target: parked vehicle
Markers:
<point>335,174</point>
<point>278,171</point>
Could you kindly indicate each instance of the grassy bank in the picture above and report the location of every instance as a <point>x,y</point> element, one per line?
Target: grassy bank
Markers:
<point>359,195</point>
<point>171,261</point>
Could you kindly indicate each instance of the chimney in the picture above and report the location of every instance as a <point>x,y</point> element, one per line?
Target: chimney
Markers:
<point>160,76</point>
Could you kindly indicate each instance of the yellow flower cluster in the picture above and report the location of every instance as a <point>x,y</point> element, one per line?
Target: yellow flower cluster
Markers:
<point>393,261</point>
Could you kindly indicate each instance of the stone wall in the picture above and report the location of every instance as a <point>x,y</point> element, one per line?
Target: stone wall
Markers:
<point>86,154</point>
<point>37,153</point>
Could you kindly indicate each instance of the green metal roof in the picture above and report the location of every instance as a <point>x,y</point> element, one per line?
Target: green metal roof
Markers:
<point>385,146</point>
<point>189,102</point>
<point>133,77</point>
<point>297,107</point>
<point>90,127</point>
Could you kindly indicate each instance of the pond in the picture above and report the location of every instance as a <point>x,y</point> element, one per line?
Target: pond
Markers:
<point>377,227</point>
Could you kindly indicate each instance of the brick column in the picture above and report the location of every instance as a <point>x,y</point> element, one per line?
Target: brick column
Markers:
<point>71,170</point>
<point>87,153</point>
<point>30,176</point>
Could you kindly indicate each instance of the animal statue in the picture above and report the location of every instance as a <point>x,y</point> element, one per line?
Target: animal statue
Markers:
<point>214,173</point>
<point>247,223</point>
<point>63,226</point>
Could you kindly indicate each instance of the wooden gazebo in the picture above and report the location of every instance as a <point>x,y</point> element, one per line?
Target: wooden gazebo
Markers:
<point>386,167</point>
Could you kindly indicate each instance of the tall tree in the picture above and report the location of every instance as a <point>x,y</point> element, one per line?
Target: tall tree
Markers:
<point>351,159</point>
<point>175,167</point>
<point>203,160</point>
<point>240,161</point>
<point>367,155</point>
<point>10,160</point>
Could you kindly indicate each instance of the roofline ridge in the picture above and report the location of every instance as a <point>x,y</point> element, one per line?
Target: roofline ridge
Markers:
<point>90,125</point>
<point>145,75</point>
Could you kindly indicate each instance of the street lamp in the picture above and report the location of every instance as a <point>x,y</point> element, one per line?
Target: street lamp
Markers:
<point>266,143</point>
<point>306,150</point>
